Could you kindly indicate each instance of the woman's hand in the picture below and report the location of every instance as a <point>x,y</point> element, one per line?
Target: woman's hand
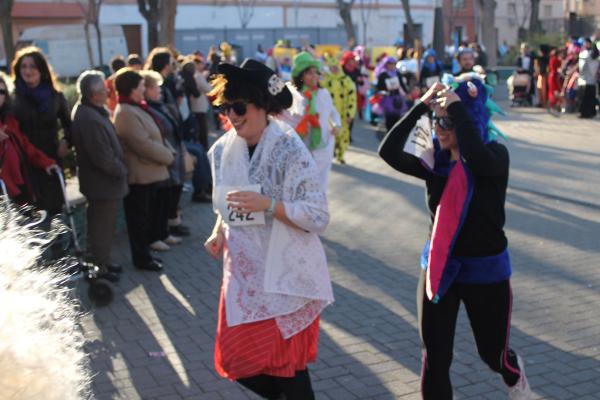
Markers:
<point>63,149</point>
<point>247,202</point>
<point>52,168</point>
<point>432,92</point>
<point>214,244</point>
<point>445,98</point>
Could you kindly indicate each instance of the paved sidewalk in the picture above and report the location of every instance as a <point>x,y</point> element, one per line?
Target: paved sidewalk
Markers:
<point>156,340</point>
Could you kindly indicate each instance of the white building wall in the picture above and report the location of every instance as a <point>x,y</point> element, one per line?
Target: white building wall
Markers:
<point>385,25</point>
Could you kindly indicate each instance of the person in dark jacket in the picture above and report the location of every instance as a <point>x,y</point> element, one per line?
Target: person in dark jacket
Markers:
<point>466,257</point>
<point>101,169</point>
<point>163,204</point>
<point>161,61</point>
<point>17,155</point>
<point>38,107</point>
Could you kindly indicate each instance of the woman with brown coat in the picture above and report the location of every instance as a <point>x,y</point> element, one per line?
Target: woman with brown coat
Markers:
<point>147,158</point>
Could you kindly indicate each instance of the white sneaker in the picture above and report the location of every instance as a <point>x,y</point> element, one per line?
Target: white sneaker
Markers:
<point>173,240</point>
<point>159,245</point>
<point>520,391</point>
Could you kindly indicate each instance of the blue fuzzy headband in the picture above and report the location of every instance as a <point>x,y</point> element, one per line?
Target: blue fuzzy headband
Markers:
<point>479,108</point>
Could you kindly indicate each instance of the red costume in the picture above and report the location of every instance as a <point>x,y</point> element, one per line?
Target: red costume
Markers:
<point>555,80</point>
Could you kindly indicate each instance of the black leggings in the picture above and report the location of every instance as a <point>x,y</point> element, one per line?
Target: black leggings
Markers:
<point>273,387</point>
<point>488,307</point>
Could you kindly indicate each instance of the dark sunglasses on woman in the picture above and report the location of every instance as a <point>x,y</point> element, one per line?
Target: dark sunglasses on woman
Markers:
<point>238,107</point>
<point>444,122</point>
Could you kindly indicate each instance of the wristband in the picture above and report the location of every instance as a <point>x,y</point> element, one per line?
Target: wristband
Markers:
<point>269,211</point>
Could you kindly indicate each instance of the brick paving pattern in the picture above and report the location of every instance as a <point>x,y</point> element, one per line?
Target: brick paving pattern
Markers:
<point>156,340</point>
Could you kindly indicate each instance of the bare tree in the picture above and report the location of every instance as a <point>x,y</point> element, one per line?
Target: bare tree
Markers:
<point>166,34</point>
<point>6,7</point>
<point>365,15</point>
<point>96,22</point>
<point>151,11</point>
<point>345,9</point>
<point>245,11</point>
<point>410,25</point>
<point>92,17</point>
<point>535,26</point>
<point>488,29</point>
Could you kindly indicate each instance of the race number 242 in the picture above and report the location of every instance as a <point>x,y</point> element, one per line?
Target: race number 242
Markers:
<point>237,217</point>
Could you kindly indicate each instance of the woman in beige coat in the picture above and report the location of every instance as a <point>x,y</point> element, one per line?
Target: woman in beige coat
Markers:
<point>146,156</point>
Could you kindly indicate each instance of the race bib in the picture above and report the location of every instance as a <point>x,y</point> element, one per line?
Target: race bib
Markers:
<point>392,83</point>
<point>420,142</point>
<point>229,215</point>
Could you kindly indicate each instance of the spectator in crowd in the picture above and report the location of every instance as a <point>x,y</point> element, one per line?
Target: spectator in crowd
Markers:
<point>199,104</point>
<point>147,159</point>
<point>588,77</point>
<point>525,64</point>
<point>481,57</point>
<point>162,61</point>
<point>101,168</point>
<point>134,61</point>
<point>165,199</point>
<point>260,55</point>
<point>38,107</point>
<point>17,155</point>
<point>116,64</point>
<point>555,81</point>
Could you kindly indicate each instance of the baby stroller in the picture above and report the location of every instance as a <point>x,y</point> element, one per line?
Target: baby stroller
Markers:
<point>100,290</point>
<point>519,87</point>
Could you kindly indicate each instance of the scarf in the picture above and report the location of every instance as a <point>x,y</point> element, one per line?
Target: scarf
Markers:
<point>40,94</point>
<point>309,124</point>
<point>278,271</point>
<point>144,106</point>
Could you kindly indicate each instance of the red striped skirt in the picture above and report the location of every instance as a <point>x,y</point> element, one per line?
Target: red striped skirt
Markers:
<point>258,348</point>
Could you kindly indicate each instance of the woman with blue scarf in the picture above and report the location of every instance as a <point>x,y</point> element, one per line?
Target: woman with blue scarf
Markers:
<point>466,258</point>
<point>431,69</point>
<point>39,106</point>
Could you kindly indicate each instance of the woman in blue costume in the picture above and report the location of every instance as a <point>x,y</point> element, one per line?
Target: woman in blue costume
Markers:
<point>466,257</point>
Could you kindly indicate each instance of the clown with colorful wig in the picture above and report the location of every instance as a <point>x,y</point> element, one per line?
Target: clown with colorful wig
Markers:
<point>343,92</point>
<point>466,257</point>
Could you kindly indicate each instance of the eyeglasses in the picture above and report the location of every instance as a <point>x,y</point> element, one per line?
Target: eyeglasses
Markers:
<point>4,92</point>
<point>238,107</point>
<point>444,122</point>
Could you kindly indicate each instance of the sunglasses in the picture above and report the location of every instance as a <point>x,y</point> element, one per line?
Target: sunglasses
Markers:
<point>3,91</point>
<point>238,107</point>
<point>444,122</point>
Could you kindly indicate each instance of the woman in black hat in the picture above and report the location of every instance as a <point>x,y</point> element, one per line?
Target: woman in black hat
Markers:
<point>270,209</point>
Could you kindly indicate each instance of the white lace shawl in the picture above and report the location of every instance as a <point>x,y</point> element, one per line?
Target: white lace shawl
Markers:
<point>273,270</point>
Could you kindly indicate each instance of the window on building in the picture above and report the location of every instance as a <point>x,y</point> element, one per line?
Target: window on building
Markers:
<point>548,11</point>
<point>458,4</point>
<point>511,9</point>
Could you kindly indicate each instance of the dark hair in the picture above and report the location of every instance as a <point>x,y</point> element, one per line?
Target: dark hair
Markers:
<point>116,63</point>
<point>234,89</point>
<point>593,49</point>
<point>134,59</point>
<point>126,80</point>
<point>158,59</point>
<point>47,75</point>
<point>189,82</point>
<point>298,82</point>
